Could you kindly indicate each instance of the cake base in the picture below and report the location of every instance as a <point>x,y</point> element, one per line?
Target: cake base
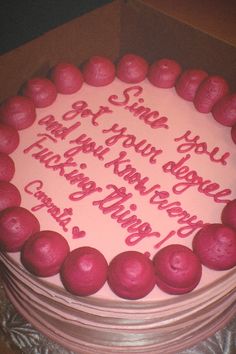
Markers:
<point>89,325</point>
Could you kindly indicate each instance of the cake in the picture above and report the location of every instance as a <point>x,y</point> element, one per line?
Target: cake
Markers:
<point>117,222</point>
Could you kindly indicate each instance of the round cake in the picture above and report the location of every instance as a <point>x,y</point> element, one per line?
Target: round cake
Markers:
<point>117,205</point>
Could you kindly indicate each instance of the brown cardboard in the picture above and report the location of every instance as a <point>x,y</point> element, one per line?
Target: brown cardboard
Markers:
<point>217,18</point>
<point>92,34</point>
<point>151,28</point>
<point>147,30</point>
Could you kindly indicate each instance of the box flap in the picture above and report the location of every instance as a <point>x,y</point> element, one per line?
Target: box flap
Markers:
<point>154,34</point>
<point>95,33</point>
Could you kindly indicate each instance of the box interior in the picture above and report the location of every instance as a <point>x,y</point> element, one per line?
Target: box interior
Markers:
<point>148,30</point>
<point>122,26</point>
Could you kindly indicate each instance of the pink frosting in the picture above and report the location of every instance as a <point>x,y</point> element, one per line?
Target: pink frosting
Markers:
<point>18,111</point>
<point>164,73</point>
<point>177,269</point>
<point>98,71</point>
<point>44,253</point>
<point>84,271</point>
<point>67,78</point>
<point>41,90</point>
<point>17,224</point>
<point>224,111</point>
<point>9,138</point>
<point>131,275</point>
<point>215,245</point>
<point>188,83</point>
<point>228,215</point>
<point>126,155</point>
<point>211,90</point>
<point>132,68</point>
<point>233,133</point>
<point>10,195</point>
<point>7,167</point>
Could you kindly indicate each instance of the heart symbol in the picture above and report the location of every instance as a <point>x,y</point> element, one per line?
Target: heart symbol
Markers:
<point>77,233</point>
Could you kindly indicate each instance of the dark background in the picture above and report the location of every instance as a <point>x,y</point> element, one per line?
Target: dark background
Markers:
<point>23,20</point>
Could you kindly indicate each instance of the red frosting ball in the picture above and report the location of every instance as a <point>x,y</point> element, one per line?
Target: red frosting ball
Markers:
<point>233,133</point>
<point>215,245</point>
<point>224,111</point>
<point>67,78</point>
<point>98,71</point>
<point>41,90</point>
<point>164,73</point>
<point>7,167</point>
<point>188,83</point>
<point>44,253</point>
<point>178,270</point>
<point>210,91</point>
<point>84,271</point>
<point>131,275</point>
<point>228,215</point>
<point>9,138</point>
<point>132,68</point>
<point>19,112</point>
<point>9,195</point>
<point>16,226</point>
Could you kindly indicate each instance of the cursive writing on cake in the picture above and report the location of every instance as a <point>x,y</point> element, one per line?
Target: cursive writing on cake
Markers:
<point>198,147</point>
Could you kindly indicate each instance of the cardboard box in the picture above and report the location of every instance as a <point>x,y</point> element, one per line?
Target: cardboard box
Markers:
<point>151,28</point>
<point>198,34</point>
